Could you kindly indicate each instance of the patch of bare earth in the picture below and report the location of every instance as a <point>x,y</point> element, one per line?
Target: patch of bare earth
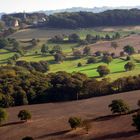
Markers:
<point>49,121</point>
<point>133,40</point>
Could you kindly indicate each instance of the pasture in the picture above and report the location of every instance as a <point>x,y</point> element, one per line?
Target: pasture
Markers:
<point>70,65</point>
<point>50,121</point>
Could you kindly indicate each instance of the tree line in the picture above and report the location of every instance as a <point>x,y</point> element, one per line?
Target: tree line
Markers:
<point>19,86</point>
<point>89,19</point>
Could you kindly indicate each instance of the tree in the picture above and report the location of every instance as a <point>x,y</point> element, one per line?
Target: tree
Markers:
<point>59,57</point>
<point>116,36</point>
<point>24,115</point>
<point>107,37</point>
<point>114,45</point>
<point>79,64</point>
<point>129,66</point>
<point>107,59</point>
<point>91,60</point>
<point>129,49</point>
<point>28,138</point>
<point>57,49</point>
<point>3,43</point>
<point>3,115</point>
<point>103,70</point>
<point>136,120</point>
<point>87,50</point>
<point>75,122</point>
<point>44,49</point>
<point>74,38</point>
<point>119,106</point>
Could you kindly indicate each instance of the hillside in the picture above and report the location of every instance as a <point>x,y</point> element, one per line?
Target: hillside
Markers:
<point>50,120</point>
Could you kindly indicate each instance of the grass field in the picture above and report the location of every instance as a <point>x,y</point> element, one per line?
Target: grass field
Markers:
<point>48,33</point>
<point>50,121</point>
<point>4,55</point>
<point>70,65</point>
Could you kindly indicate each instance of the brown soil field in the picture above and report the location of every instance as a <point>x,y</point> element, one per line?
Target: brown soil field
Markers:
<point>50,121</point>
<point>133,40</point>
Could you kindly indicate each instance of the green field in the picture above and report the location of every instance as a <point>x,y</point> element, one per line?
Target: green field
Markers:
<point>48,33</point>
<point>4,55</point>
<point>70,65</point>
<point>116,66</point>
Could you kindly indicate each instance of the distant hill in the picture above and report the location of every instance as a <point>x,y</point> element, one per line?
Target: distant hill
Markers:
<point>94,9</point>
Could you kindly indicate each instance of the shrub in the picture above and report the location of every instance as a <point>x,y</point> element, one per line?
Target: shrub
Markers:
<point>129,49</point>
<point>136,120</point>
<point>24,115</point>
<point>119,106</point>
<point>75,122</point>
<point>3,115</point>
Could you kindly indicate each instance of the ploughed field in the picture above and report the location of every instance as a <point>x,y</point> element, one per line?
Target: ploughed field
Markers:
<point>50,121</point>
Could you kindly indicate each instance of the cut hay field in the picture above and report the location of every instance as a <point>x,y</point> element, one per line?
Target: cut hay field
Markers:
<point>50,121</point>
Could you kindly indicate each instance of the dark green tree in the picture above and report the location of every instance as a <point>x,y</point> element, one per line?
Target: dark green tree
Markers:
<point>129,66</point>
<point>119,106</point>
<point>75,122</point>
<point>107,59</point>
<point>136,120</point>
<point>24,115</point>
<point>129,49</point>
<point>103,70</point>
<point>44,49</point>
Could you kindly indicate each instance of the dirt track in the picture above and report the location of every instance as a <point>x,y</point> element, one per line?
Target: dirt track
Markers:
<point>49,121</point>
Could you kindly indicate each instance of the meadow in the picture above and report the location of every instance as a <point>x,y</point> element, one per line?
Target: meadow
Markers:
<point>70,65</point>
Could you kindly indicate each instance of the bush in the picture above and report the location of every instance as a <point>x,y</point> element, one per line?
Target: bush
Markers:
<point>24,115</point>
<point>3,115</point>
<point>75,122</point>
<point>27,138</point>
<point>119,106</point>
<point>136,121</point>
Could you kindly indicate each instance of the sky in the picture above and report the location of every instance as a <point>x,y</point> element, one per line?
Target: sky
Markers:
<point>9,6</point>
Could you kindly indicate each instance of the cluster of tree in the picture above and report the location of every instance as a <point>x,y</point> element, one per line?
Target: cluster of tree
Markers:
<point>10,44</point>
<point>7,31</point>
<point>89,19</point>
<point>23,115</point>
<point>89,39</point>
<point>18,86</point>
<point>41,66</point>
